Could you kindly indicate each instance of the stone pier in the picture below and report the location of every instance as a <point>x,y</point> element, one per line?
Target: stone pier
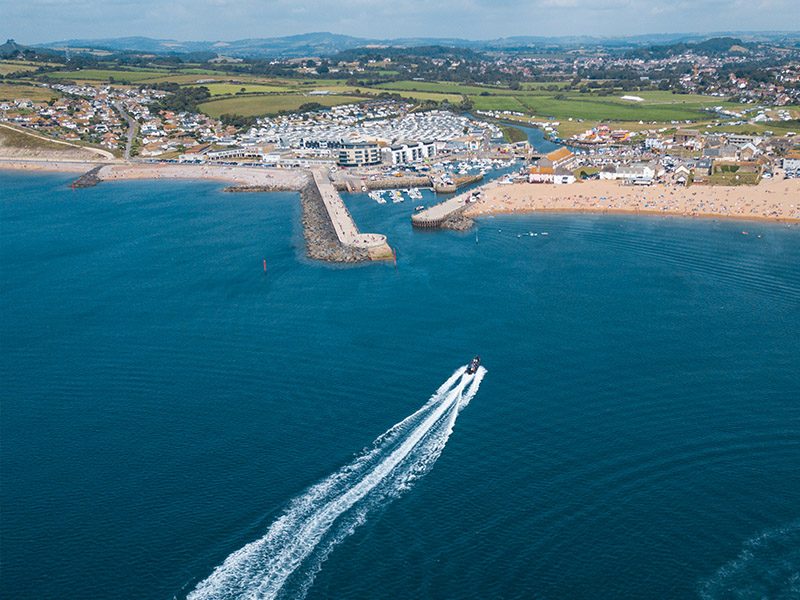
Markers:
<point>343,225</point>
<point>445,215</point>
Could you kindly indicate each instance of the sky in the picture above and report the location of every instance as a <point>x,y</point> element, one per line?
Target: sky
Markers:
<point>36,21</point>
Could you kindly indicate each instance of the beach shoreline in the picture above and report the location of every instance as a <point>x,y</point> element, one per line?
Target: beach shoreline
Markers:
<point>775,200</point>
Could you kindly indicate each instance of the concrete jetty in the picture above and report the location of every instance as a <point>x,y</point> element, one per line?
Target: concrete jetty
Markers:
<point>445,215</point>
<point>343,225</point>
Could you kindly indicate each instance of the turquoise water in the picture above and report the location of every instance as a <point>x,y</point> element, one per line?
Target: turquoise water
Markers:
<point>636,433</point>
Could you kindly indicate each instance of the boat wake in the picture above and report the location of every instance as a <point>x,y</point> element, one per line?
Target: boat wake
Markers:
<point>284,562</point>
<point>768,566</point>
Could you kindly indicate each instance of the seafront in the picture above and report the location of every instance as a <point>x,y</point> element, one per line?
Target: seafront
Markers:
<point>772,199</point>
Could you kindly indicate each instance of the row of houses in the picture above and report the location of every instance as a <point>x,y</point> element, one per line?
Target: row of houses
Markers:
<point>553,167</point>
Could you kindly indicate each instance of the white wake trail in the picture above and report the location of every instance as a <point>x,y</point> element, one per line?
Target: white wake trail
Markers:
<point>294,547</point>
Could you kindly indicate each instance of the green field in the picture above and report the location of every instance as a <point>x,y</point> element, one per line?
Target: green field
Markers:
<point>230,89</point>
<point>413,95</point>
<point>734,179</point>
<point>657,106</point>
<point>537,101</point>
<point>539,85</point>
<point>608,109</point>
<point>16,66</point>
<point>498,103</point>
<point>444,87</point>
<point>513,134</point>
<point>107,74</point>
<point>182,79</point>
<point>17,92</point>
<point>270,104</point>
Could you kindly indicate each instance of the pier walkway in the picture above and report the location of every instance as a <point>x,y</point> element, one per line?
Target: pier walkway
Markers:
<point>437,214</point>
<point>343,223</point>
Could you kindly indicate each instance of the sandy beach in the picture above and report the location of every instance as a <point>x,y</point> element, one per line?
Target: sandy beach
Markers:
<point>773,199</point>
<point>292,179</point>
<point>289,179</point>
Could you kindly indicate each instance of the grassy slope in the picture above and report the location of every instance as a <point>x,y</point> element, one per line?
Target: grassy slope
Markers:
<point>13,138</point>
<point>17,140</point>
<point>16,92</point>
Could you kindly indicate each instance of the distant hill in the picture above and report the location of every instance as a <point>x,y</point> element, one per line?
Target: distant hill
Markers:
<point>308,44</point>
<point>328,44</point>
<point>10,48</point>
<point>715,47</point>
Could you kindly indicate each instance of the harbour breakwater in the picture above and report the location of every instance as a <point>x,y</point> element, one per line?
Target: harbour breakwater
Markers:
<point>354,184</point>
<point>238,189</point>
<point>321,240</point>
<point>445,215</point>
<point>88,179</point>
<point>330,233</point>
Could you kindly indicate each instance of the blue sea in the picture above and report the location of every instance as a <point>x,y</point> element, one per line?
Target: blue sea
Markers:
<point>176,422</point>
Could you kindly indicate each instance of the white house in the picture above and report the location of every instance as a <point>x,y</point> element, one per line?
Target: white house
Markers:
<point>638,172</point>
<point>563,176</point>
<point>791,162</point>
<point>409,152</point>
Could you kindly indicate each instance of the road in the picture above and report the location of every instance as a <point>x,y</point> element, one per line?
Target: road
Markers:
<point>133,126</point>
<point>103,153</point>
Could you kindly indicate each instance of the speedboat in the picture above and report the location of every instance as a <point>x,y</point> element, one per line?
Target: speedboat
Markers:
<point>473,365</point>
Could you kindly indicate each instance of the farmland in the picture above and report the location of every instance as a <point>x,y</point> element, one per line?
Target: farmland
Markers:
<point>230,89</point>
<point>106,75</point>
<point>417,96</point>
<point>444,87</point>
<point>270,104</point>
<point>35,93</point>
<point>16,66</point>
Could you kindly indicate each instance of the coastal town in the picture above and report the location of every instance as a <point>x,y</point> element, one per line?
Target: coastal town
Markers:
<point>391,300</point>
<point>740,138</point>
